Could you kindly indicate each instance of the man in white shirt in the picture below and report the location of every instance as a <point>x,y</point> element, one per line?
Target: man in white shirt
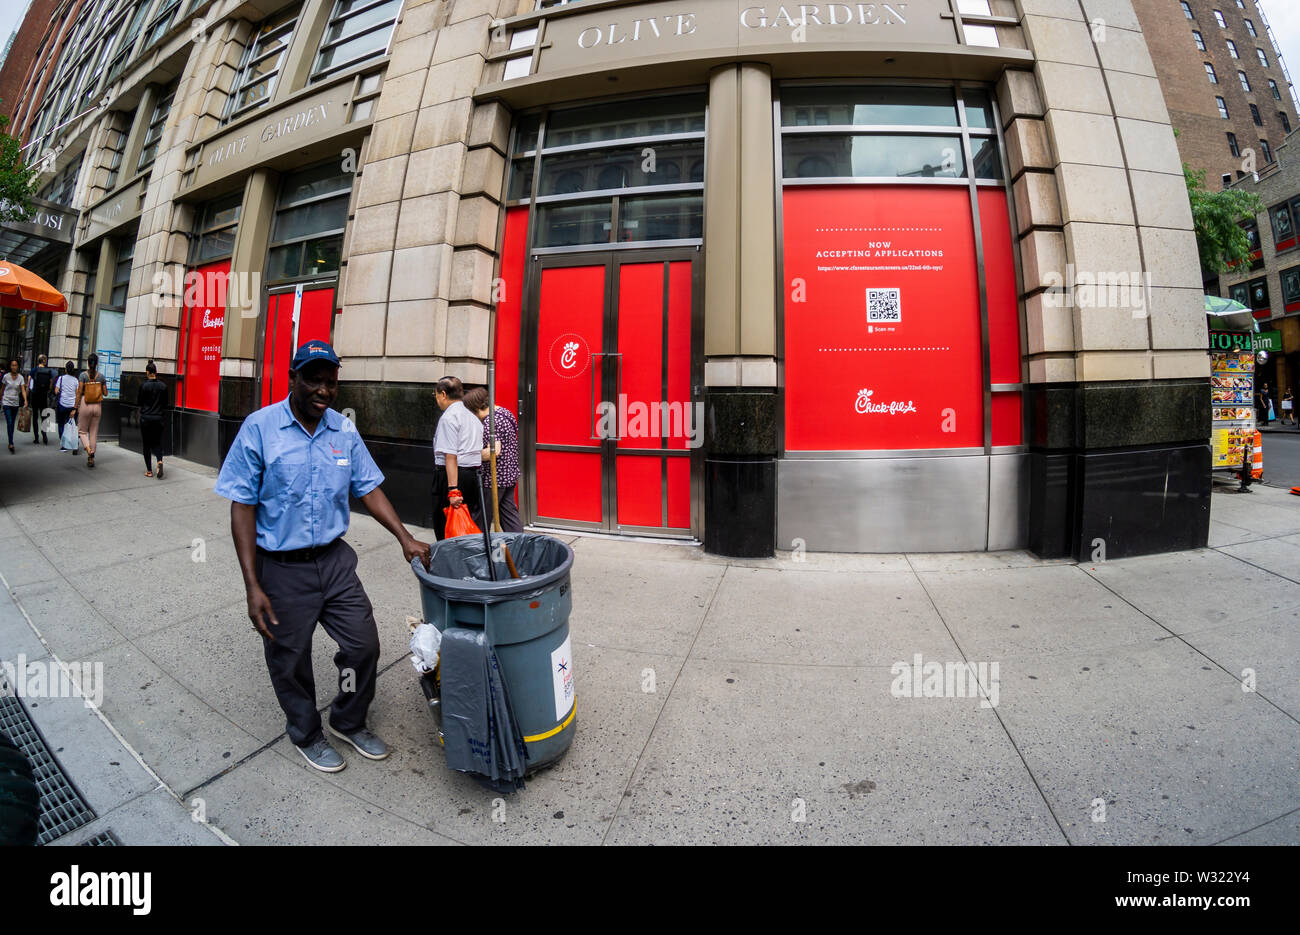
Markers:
<point>457,454</point>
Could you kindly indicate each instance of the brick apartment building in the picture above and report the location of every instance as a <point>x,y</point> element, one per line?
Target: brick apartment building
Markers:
<point>29,36</point>
<point>1270,286</point>
<point>1225,84</point>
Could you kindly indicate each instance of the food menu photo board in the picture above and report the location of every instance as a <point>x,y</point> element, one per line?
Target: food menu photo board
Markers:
<point>1232,396</point>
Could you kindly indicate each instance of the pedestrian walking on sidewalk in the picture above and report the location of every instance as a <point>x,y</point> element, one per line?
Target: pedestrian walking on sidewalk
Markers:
<point>1288,407</point>
<point>39,384</point>
<point>457,453</point>
<point>152,400</point>
<point>505,434</point>
<point>91,390</point>
<point>289,474</point>
<point>65,396</point>
<point>14,396</point>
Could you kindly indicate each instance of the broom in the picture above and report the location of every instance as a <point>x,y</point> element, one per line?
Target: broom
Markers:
<point>492,468</point>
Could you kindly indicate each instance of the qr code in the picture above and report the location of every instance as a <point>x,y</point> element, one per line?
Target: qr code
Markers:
<point>884,305</point>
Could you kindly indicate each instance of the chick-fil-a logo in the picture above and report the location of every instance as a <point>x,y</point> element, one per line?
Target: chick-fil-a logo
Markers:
<point>863,405</point>
<point>569,355</point>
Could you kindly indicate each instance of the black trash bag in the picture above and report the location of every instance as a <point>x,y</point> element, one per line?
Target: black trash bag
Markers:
<point>542,560</point>
<point>20,799</point>
<point>480,733</point>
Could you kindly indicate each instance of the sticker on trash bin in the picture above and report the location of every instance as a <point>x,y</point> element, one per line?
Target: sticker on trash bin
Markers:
<point>562,673</point>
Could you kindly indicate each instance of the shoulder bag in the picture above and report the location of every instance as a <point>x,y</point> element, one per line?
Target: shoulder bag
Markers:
<point>94,391</point>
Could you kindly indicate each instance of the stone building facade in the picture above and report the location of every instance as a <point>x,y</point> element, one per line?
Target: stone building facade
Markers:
<point>598,205</point>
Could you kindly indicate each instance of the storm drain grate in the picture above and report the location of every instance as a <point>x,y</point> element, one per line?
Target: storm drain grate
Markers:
<point>103,839</point>
<point>62,808</point>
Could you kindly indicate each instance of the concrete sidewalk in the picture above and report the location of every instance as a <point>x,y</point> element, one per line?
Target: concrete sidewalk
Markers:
<point>719,701</point>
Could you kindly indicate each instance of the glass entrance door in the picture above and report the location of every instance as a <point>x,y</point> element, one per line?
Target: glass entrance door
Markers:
<point>612,385</point>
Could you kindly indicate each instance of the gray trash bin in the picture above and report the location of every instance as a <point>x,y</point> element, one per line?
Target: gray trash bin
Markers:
<point>526,622</point>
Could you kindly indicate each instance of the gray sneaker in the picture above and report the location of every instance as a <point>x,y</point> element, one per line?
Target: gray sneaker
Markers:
<point>365,742</point>
<point>322,756</point>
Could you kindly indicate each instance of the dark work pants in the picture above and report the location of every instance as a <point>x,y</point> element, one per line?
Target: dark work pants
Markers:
<point>470,489</point>
<point>510,521</point>
<point>62,414</point>
<point>327,590</point>
<point>151,441</point>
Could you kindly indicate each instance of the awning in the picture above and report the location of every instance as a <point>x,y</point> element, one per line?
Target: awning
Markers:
<point>20,288</point>
<point>1228,315</point>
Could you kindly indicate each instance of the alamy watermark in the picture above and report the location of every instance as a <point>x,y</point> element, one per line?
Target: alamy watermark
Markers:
<point>1105,289</point>
<point>920,679</point>
<point>46,678</point>
<point>637,419</point>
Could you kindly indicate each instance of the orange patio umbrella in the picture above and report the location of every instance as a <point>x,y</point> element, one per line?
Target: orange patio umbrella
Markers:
<point>20,288</point>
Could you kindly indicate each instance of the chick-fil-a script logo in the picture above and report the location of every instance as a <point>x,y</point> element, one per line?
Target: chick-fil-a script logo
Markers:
<point>569,355</point>
<point>863,405</point>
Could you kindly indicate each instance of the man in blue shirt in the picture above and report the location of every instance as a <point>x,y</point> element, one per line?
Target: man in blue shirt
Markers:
<point>289,474</point>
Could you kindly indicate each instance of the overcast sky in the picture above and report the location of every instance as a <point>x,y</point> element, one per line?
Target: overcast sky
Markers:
<point>1283,16</point>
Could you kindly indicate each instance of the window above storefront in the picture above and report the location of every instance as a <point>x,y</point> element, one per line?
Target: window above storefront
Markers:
<point>260,67</point>
<point>310,216</point>
<point>163,19</point>
<point>1282,217</point>
<point>61,189</point>
<point>115,143</point>
<point>218,221</point>
<point>878,133</point>
<point>126,47</point>
<point>623,172</point>
<point>357,30</point>
<point>122,270</point>
<point>1291,287</point>
<point>157,121</point>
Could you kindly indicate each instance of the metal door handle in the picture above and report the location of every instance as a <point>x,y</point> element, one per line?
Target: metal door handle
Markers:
<point>591,408</point>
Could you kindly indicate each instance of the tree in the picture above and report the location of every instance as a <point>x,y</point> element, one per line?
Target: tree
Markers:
<point>1217,217</point>
<point>17,180</point>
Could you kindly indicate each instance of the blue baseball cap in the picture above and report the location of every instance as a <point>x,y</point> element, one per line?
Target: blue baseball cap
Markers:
<point>313,351</point>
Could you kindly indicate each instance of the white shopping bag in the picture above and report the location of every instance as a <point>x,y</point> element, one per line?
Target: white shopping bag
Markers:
<point>70,440</point>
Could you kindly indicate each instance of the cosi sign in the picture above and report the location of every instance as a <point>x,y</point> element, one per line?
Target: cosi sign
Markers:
<point>579,38</point>
<point>48,221</point>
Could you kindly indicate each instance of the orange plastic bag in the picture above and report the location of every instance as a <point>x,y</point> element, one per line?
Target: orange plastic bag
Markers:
<point>459,522</point>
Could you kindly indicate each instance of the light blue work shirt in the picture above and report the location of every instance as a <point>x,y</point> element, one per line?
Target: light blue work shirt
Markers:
<point>299,482</point>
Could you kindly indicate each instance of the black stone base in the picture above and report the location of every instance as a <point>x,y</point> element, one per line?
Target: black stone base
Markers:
<point>740,471</point>
<point>1094,506</point>
<point>740,507</point>
<point>110,419</point>
<point>408,479</point>
<point>1118,469</point>
<point>186,434</point>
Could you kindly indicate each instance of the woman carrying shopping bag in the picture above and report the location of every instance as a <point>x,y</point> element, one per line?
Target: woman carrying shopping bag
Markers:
<point>65,400</point>
<point>91,391</point>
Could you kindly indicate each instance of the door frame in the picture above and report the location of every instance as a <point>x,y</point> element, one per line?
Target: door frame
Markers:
<point>259,347</point>
<point>612,260</point>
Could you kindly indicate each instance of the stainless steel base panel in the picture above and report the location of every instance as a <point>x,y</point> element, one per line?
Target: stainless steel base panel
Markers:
<point>969,503</point>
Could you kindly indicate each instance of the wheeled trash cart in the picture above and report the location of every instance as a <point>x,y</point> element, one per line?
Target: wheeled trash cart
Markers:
<point>504,683</point>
